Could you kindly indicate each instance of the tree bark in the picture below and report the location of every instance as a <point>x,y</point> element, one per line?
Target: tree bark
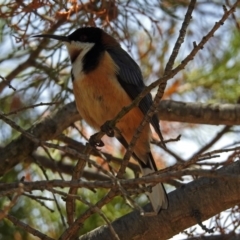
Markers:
<point>199,199</point>
<point>20,149</point>
<point>200,113</point>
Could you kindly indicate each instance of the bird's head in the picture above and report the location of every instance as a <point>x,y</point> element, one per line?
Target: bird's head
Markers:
<point>84,39</point>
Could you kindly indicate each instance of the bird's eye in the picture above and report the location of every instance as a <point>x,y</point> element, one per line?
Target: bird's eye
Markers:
<point>83,38</point>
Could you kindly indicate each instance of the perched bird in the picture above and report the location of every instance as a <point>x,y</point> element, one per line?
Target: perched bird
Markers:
<point>105,79</point>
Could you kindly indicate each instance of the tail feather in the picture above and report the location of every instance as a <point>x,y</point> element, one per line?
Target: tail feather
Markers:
<point>158,196</point>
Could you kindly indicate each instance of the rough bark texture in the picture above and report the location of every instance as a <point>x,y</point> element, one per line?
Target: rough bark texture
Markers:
<point>200,113</point>
<point>208,196</point>
<point>20,149</point>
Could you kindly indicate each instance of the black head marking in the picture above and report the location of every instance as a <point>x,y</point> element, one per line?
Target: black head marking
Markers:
<point>101,40</point>
<point>87,34</point>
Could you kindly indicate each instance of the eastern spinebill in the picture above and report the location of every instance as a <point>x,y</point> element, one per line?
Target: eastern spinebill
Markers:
<point>105,79</point>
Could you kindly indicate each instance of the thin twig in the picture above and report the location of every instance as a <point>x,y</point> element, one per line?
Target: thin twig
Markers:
<point>8,83</point>
<point>55,199</point>
<point>6,209</point>
<point>161,89</point>
<point>94,208</point>
<point>27,228</point>
<point>77,173</point>
<point>126,183</point>
<point>31,106</point>
<point>213,141</point>
<point>50,157</point>
<point>37,199</point>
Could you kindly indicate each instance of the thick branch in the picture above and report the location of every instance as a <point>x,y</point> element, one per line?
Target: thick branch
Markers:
<point>18,150</point>
<point>198,195</point>
<point>200,113</point>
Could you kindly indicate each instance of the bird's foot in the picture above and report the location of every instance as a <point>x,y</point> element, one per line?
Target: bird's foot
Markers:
<point>95,142</point>
<point>107,129</point>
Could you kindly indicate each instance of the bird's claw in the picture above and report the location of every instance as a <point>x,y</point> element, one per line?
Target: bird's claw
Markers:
<point>94,142</point>
<point>107,129</point>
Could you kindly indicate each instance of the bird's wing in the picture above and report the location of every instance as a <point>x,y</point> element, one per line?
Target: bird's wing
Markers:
<point>131,80</point>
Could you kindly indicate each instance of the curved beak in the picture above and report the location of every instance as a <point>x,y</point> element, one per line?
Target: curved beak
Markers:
<point>60,38</point>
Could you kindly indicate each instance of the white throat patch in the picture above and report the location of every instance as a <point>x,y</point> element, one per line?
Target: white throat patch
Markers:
<point>83,48</point>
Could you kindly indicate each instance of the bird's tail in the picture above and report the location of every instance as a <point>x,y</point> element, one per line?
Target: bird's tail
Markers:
<point>158,196</point>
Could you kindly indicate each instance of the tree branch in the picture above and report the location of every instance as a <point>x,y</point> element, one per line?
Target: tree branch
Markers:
<point>52,126</point>
<point>197,195</point>
<point>18,150</point>
<point>200,113</point>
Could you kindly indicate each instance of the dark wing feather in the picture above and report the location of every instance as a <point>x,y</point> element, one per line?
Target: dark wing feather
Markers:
<point>130,78</point>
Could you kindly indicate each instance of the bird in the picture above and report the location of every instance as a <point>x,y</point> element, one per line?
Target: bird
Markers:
<point>105,79</point>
